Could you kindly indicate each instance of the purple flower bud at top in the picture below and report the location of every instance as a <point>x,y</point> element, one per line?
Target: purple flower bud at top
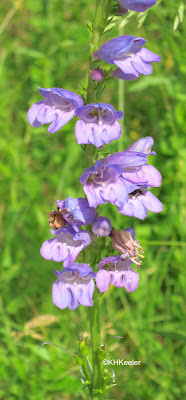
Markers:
<point>74,286</point>
<point>115,271</point>
<point>66,245</point>
<point>127,54</point>
<point>57,108</point>
<point>98,124</point>
<point>102,226</point>
<point>97,75</point>
<point>137,5</point>
<point>124,242</point>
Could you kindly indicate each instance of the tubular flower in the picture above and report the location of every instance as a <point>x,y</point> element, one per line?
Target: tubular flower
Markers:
<point>98,124</point>
<point>66,245</point>
<point>103,183</point>
<point>115,271</point>
<point>74,286</point>
<point>76,212</point>
<point>124,242</point>
<point>137,5</point>
<point>57,108</point>
<point>127,54</point>
<point>141,200</point>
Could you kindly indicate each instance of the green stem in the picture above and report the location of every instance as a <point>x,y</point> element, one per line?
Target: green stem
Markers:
<point>97,378</point>
<point>121,95</point>
<point>85,369</point>
<point>100,22</point>
<point>90,154</point>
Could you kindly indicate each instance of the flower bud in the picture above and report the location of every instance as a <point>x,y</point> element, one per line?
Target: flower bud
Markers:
<point>83,347</point>
<point>97,75</point>
<point>101,226</point>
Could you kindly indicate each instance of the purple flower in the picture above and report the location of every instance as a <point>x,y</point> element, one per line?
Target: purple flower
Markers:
<point>74,286</point>
<point>97,124</point>
<point>76,212</point>
<point>57,108</point>
<point>103,183</point>
<point>127,54</point>
<point>115,271</point>
<point>141,200</point>
<point>137,5</point>
<point>102,226</point>
<point>66,245</point>
<point>117,177</point>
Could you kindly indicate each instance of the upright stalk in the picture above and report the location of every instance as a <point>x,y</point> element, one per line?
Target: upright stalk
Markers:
<point>90,153</point>
<point>97,378</point>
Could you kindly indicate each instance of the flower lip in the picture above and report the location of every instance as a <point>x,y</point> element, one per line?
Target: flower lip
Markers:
<point>74,286</point>
<point>66,245</point>
<point>118,273</point>
<point>99,113</point>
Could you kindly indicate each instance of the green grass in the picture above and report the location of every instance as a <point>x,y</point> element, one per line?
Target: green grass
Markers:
<point>45,43</point>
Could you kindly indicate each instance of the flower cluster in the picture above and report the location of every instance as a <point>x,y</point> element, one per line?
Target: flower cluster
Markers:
<point>123,179</point>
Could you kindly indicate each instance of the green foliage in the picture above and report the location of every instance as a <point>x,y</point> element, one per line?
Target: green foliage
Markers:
<point>46,43</point>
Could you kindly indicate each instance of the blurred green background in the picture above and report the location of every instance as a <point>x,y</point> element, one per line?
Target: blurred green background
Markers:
<point>45,43</point>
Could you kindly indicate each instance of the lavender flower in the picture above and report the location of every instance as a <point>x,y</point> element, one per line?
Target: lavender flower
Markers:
<point>137,5</point>
<point>76,212</point>
<point>127,54</point>
<point>117,177</point>
<point>57,108</point>
<point>66,245</point>
<point>141,200</point>
<point>118,273</point>
<point>102,226</point>
<point>103,183</point>
<point>98,124</point>
<point>74,286</point>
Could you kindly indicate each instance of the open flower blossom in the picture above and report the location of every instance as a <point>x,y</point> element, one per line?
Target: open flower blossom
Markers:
<point>57,108</point>
<point>76,212</point>
<point>115,271</point>
<point>127,54</point>
<point>124,242</point>
<point>141,200</point>
<point>103,183</point>
<point>119,178</point>
<point>137,5</point>
<point>101,226</point>
<point>74,286</point>
<point>66,245</point>
<point>97,124</point>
